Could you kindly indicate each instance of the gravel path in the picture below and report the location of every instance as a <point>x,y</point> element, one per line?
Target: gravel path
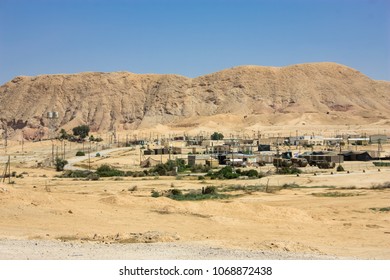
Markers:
<point>72,161</point>
<point>57,250</point>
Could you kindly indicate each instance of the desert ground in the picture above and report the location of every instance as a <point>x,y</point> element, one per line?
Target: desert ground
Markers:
<point>324,215</point>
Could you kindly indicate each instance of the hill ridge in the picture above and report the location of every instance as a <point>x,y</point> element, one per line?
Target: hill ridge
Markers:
<point>320,93</point>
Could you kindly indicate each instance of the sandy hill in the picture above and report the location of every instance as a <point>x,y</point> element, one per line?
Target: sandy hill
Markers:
<point>240,97</point>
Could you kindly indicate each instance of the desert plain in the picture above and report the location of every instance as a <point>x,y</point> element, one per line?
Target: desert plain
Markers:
<point>323,215</point>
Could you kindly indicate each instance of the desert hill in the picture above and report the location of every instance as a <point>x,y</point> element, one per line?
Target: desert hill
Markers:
<point>244,96</point>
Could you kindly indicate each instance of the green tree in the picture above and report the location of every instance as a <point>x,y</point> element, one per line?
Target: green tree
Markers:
<point>82,131</point>
<point>216,136</point>
<point>60,164</point>
<point>64,134</point>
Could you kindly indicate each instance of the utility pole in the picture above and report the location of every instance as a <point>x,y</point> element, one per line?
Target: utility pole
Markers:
<point>89,159</point>
<point>7,167</point>
<point>64,149</point>
<point>6,138</point>
<point>52,116</point>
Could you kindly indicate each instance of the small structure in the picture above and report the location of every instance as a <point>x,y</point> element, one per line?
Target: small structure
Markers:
<point>358,141</point>
<point>149,162</point>
<point>378,139</point>
<point>266,156</point>
<point>314,157</point>
<point>332,141</point>
<point>244,159</point>
<point>263,148</point>
<point>356,156</point>
<point>199,159</point>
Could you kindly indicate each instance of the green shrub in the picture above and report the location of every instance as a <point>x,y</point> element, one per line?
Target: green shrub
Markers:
<point>107,171</point>
<point>175,192</point>
<point>381,209</point>
<point>334,194</point>
<point>97,154</point>
<point>60,164</point>
<point>251,173</point>
<point>289,170</point>
<point>340,168</point>
<point>209,190</point>
<point>169,168</point>
<point>82,131</point>
<point>385,185</point>
<point>76,174</point>
<point>290,186</point>
<point>155,194</point>
<point>80,154</point>
<point>225,173</point>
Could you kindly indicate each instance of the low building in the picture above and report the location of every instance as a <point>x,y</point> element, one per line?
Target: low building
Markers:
<point>322,156</point>
<point>266,156</point>
<point>378,139</point>
<point>199,159</point>
<point>358,141</point>
<point>242,157</point>
<point>332,141</point>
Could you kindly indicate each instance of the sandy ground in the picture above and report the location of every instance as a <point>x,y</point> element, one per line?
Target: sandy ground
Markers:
<point>46,217</point>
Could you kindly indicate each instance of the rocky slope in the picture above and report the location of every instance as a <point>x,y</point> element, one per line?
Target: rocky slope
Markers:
<point>322,93</point>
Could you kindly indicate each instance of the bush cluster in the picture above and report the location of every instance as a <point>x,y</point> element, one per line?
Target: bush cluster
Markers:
<point>107,171</point>
<point>169,168</point>
<point>288,170</point>
<point>229,173</point>
<point>226,172</point>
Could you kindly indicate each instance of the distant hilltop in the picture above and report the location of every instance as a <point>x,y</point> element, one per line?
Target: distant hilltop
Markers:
<point>319,93</point>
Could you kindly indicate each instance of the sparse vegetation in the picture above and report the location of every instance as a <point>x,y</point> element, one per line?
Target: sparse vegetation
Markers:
<point>198,168</point>
<point>335,194</point>
<point>225,173</point>
<point>291,186</point>
<point>209,190</point>
<point>155,194</point>
<point>76,174</point>
<point>193,196</point>
<point>381,209</point>
<point>288,170</point>
<point>95,139</point>
<point>382,186</point>
<point>169,168</point>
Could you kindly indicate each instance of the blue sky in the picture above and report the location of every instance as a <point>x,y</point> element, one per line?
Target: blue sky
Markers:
<point>190,38</point>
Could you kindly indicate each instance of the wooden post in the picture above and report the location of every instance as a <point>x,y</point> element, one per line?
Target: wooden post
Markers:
<point>89,159</point>
<point>9,169</point>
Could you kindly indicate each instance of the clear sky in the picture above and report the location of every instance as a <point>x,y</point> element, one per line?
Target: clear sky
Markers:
<point>190,37</point>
